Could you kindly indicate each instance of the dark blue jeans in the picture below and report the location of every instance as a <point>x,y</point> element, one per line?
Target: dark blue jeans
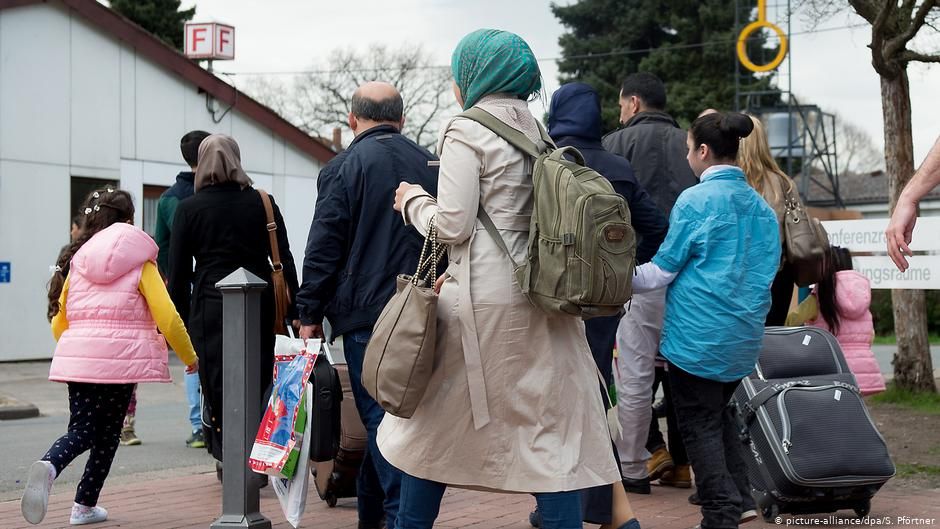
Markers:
<point>710,433</point>
<point>375,469</point>
<point>421,503</point>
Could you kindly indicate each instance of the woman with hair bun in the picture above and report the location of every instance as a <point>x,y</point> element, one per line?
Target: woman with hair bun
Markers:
<point>718,260</point>
<point>765,176</point>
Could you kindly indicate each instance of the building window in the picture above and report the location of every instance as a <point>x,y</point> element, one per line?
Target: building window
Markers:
<point>151,197</point>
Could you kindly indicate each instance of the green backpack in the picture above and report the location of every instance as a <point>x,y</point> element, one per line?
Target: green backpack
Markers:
<point>582,248</point>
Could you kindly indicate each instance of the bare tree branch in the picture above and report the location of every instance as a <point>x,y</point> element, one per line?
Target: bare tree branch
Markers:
<point>878,59</point>
<point>895,45</point>
<point>321,100</point>
<point>870,10</point>
<point>913,56</point>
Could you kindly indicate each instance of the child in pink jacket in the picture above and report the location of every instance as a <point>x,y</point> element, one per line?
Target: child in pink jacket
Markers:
<point>106,302</point>
<point>839,304</point>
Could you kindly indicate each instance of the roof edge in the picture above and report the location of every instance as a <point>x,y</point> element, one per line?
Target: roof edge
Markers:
<point>169,58</point>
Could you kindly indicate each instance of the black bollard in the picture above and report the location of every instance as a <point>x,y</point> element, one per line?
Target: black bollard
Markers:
<point>241,344</point>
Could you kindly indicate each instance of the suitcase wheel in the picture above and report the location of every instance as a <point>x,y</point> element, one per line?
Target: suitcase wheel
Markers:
<point>330,500</point>
<point>863,509</point>
<point>770,512</point>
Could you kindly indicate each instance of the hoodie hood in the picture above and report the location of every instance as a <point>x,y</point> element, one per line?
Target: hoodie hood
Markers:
<point>113,252</point>
<point>853,293</point>
<point>575,111</point>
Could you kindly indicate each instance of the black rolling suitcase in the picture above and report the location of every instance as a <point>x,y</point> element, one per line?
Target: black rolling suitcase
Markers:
<point>810,444</point>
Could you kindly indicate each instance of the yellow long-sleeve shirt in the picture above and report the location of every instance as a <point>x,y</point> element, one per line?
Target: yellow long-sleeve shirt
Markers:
<point>161,308</point>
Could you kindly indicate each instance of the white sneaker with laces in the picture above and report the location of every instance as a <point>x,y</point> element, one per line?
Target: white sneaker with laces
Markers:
<point>82,515</point>
<point>36,496</point>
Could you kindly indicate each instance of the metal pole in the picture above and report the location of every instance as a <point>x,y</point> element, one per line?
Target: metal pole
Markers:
<point>241,343</point>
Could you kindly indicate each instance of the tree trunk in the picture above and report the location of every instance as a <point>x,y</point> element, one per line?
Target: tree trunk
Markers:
<point>913,368</point>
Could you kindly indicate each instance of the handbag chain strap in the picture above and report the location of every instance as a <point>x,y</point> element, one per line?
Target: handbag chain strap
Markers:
<point>431,253</point>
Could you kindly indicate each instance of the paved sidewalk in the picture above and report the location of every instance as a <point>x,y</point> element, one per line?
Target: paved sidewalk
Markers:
<point>195,502</point>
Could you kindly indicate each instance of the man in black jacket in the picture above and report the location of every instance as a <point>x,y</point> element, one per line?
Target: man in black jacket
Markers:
<point>655,146</point>
<point>357,246</point>
<point>574,120</point>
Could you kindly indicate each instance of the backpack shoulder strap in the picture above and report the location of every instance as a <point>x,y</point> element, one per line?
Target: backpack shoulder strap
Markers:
<point>504,131</point>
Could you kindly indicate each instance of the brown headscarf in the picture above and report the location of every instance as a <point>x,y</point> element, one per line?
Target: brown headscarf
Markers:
<point>220,162</point>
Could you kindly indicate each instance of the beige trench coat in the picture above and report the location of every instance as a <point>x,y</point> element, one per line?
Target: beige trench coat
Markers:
<point>514,401</point>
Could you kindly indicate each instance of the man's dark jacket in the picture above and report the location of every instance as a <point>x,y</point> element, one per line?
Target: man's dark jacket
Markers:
<point>656,147</point>
<point>574,120</point>
<point>357,243</point>
<point>166,210</point>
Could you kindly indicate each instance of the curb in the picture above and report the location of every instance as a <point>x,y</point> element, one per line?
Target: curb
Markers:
<point>21,411</point>
<point>11,409</point>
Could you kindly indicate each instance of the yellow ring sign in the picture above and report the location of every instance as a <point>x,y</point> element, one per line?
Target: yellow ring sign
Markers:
<point>761,22</point>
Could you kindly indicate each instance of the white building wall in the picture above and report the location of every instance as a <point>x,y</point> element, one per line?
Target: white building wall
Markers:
<point>74,101</point>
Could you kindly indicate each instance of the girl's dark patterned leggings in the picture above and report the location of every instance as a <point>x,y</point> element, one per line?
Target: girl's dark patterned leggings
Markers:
<point>97,414</point>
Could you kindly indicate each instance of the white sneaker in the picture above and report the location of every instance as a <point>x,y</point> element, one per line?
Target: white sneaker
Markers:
<point>36,496</point>
<point>82,515</point>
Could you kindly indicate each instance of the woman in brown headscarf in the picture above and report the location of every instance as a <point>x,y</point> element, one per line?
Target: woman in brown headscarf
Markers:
<point>222,227</point>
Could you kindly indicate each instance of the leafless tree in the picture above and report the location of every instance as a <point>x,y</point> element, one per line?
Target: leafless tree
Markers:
<point>895,25</point>
<point>857,150</point>
<point>319,100</point>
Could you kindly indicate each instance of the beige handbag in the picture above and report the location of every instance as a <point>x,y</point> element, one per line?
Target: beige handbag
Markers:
<point>400,354</point>
<point>805,241</point>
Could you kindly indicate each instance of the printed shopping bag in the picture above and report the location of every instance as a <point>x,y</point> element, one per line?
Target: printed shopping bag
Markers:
<point>292,492</point>
<point>279,430</point>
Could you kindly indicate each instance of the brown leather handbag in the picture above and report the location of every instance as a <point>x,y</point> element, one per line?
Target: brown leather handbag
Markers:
<point>400,355</point>
<point>281,292</point>
<point>805,241</point>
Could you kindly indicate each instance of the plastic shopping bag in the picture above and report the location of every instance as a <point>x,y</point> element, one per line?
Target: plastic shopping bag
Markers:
<point>292,492</point>
<point>283,421</point>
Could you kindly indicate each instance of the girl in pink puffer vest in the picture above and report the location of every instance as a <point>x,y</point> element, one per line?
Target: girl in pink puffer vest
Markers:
<point>106,303</point>
<point>840,304</point>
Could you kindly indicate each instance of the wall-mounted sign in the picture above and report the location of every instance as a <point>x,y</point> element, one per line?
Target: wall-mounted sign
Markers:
<point>209,41</point>
<point>5,272</point>
<point>868,236</point>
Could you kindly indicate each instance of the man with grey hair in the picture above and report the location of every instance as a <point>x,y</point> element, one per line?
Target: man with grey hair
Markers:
<point>356,248</point>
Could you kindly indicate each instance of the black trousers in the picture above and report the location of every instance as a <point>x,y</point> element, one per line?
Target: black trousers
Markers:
<point>710,433</point>
<point>654,440</point>
<point>781,293</point>
<point>97,415</point>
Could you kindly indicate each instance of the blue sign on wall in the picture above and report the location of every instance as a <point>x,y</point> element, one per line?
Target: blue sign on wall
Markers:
<point>4,272</point>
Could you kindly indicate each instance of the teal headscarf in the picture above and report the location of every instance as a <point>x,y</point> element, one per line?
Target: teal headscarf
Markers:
<point>490,61</point>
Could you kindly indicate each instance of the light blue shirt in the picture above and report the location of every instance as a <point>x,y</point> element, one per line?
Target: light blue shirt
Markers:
<point>724,247</point>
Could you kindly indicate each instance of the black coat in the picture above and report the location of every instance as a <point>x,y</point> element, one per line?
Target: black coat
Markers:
<point>656,147</point>
<point>223,228</point>
<point>357,243</point>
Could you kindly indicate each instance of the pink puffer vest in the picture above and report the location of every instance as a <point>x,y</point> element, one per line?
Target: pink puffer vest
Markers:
<point>112,338</point>
<point>853,297</point>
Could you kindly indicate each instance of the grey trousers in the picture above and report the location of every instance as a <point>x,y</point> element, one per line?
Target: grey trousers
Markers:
<point>637,345</point>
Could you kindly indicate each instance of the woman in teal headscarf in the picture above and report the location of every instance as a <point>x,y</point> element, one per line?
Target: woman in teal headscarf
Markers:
<point>512,403</point>
<point>490,61</point>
